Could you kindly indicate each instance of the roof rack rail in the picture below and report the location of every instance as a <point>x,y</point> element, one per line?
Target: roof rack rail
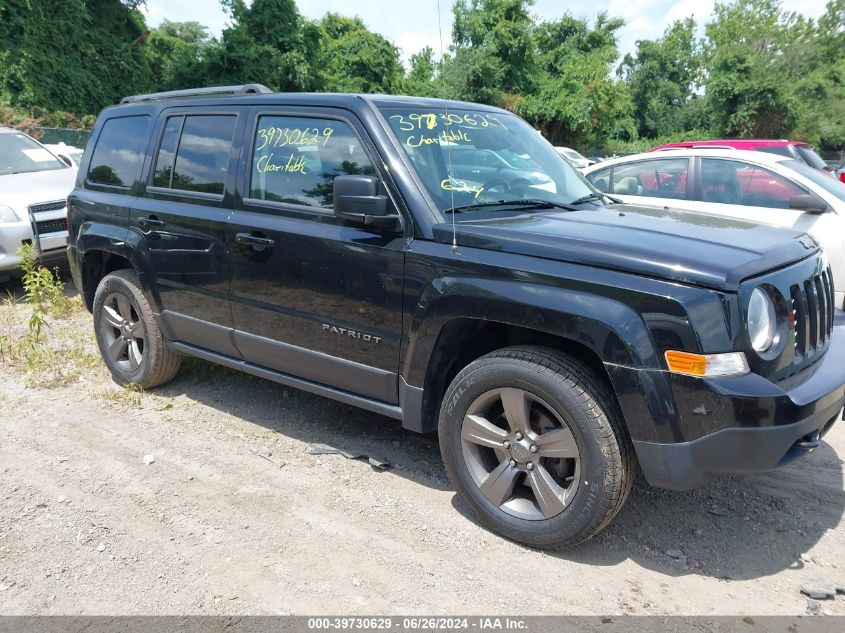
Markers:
<point>246,89</point>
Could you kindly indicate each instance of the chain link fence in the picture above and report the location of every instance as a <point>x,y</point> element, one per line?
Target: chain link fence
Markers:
<point>56,135</point>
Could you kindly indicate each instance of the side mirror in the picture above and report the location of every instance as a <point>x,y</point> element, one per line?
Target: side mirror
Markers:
<point>808,203</point>
<point>356,199</point>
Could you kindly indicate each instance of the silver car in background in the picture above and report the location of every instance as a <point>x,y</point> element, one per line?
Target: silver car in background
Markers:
<point>34,186</point>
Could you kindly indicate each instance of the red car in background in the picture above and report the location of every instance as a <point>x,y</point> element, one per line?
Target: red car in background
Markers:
<point>793,149</point>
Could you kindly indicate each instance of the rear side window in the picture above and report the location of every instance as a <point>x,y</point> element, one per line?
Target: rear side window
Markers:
<point>295,159</point>
<point>167,152</point>
<point>194,153</point>
<point>117,156</point>
<point>736,182</point>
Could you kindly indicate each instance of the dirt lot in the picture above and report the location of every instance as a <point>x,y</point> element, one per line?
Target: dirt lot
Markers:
<point>216,525</point>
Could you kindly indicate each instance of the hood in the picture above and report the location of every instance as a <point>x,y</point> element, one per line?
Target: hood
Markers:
<point>693,248</point>
<point>20,190</point>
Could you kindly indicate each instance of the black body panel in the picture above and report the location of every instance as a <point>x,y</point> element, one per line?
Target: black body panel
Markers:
<point>375,316</point>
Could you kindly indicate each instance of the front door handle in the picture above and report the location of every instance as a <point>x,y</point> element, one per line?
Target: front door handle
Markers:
<point>255,240</point>
<point>151,221</point>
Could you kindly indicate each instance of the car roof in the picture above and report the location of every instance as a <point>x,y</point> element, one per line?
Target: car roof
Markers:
<point>761,158</point>
<point>732,142</point>
<point>7,130</point>
<point>345,100</point>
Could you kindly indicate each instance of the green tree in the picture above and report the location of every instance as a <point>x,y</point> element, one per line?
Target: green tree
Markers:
<point>662,77</point>
<point>493,47</point>
<point>268,42</point>
<point>75,55</point>
<point>751,52</point>
<point>192,33</point>
<point>354,59</point>
<point>422,77</point>
<point>578,102</point>
<point>820,84</point>
<point>177,52</point>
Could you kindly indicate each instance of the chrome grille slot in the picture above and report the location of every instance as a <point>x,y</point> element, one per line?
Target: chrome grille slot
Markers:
<point>812,313</point>
<point>830,289</point>
<point>822,295</point>
<point>800,320</point>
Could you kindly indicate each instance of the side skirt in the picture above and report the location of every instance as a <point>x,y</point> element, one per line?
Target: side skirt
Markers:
<point>389,410</point>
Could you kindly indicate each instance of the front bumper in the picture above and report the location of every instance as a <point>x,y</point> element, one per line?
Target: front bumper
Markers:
<point>13,235</point>
<point>748,424</point>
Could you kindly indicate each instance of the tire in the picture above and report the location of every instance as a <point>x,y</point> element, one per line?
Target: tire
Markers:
<point>564,478</point>
<point>128,335</point>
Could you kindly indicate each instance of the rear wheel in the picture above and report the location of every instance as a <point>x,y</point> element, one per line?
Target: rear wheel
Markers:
<point>130,341</point>
<point>533,441</point>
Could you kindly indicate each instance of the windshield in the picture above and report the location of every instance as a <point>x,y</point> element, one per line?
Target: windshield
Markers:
<point>827,183</point>
<point>19,154</point>
<point>810,157</point>
<point>780,150</point>
<point>470,158</point>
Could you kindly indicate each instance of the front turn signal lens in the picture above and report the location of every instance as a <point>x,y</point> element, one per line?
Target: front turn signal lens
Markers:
<point>706,364</point>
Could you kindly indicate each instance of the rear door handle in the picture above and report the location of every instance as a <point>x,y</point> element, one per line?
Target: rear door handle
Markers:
<point>255,240</point>
<point>151,221</point>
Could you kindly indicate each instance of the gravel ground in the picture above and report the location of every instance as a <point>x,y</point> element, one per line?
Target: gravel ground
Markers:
<point>200,498</point>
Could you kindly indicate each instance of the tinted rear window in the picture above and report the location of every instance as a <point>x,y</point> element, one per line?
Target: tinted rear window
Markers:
<point>780,150</point>
<point>810,157</point>
<point>194,153</point>
<point>117,156</point>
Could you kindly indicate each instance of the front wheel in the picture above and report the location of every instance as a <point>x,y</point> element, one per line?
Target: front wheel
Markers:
<point>534,443</point>
<point>130,341</point>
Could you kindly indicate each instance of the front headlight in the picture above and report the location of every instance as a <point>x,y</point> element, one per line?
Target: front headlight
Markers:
<point>762,321</point>
<point>7,214</point>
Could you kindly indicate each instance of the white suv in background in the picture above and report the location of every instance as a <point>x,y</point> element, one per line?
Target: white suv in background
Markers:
<point>747,185</point>
<point>34,186</point>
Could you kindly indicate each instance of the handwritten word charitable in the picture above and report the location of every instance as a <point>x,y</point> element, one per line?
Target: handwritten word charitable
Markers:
<point>294,165</point>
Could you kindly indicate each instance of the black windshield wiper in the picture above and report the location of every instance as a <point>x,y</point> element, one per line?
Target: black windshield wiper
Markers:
<point>531,204</point>
<point>594,196</point>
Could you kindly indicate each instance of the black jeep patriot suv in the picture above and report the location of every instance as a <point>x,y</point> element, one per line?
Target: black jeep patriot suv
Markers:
<point>439,263</point>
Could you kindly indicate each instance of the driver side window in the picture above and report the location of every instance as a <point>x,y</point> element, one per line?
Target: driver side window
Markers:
<point>659,178</point>
<point>296,159</point>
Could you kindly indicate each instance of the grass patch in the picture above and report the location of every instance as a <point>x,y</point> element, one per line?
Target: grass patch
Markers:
<point>45,334</point>
<point>128,397</point>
